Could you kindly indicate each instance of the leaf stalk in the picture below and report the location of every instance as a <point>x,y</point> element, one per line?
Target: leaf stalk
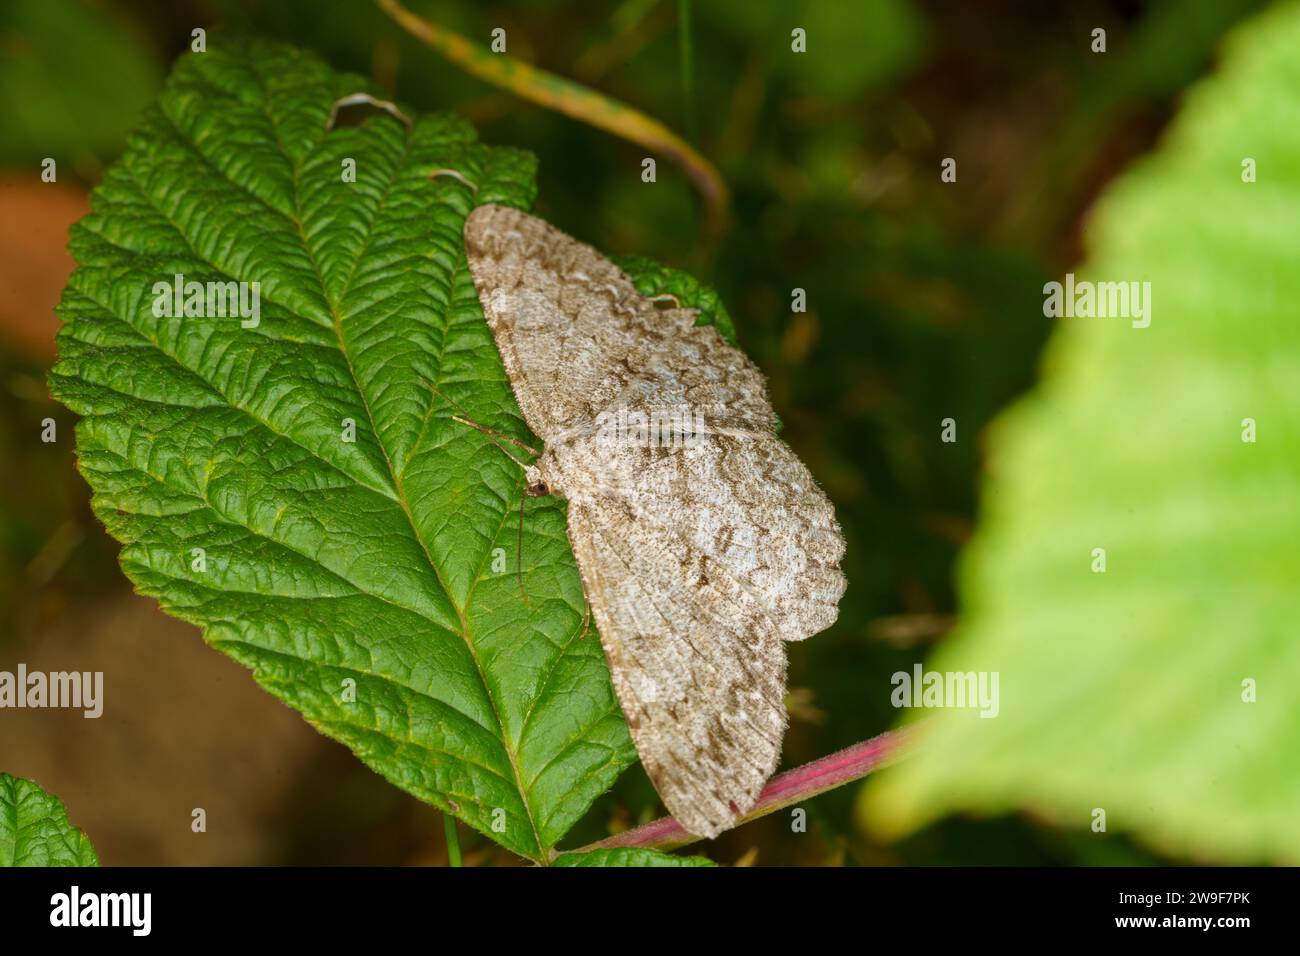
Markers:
<point>793,786</point>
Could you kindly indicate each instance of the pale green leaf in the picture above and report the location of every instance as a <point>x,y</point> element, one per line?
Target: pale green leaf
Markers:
<point>1124,691</point>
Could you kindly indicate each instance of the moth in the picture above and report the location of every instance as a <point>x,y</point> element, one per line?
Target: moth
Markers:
<point>702,541</point>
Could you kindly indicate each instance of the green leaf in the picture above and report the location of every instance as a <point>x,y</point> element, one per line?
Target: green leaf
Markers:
<point>34,828</point>
<point>652,279</point>
<point>629,857</point>
<point>1124,690</point>
<point>386,563</point>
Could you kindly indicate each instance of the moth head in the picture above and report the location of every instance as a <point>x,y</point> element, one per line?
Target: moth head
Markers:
<point>537,486</point>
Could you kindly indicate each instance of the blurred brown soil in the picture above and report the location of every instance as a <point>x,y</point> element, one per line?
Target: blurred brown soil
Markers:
<point>182,727</point>
<point>34,260</point>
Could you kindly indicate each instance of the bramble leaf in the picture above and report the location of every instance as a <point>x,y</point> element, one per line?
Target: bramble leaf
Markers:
<point>34,828</point>
<point>294,484</point>
<point>653,280</point>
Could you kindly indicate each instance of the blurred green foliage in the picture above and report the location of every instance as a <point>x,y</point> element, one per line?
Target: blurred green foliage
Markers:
<point>923,298</point>
<point>1159,691</point>
<point>73,77</point>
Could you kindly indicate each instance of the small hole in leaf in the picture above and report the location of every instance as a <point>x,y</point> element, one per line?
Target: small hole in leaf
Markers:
<point>436,174</point>
<point>356,109</point>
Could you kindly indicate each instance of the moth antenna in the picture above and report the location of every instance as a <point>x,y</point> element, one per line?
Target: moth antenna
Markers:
<point>523,494</point>
<point>488,432</point>
<point>586,622</point>
<point>464,419</point>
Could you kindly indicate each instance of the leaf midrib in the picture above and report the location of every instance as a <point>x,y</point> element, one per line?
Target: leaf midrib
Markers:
<point>393,473</point>
<point>398,492</point>
<point>397,496</point>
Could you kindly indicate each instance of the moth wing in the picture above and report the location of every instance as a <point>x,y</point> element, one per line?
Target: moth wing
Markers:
<point>698,560</point>
<point>576,337</point>
<point>743,500</point>
<point>559,342</point>
<point>696,664</point>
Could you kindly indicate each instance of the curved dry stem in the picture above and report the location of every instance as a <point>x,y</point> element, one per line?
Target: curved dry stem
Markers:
<point>572,99</point>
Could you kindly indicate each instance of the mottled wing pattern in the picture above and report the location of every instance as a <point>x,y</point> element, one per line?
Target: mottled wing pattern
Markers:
<point>695,661</point>
<point>752,508</point>
<point>698,560</point>
<point>698,564</point>
<point>576,337</point>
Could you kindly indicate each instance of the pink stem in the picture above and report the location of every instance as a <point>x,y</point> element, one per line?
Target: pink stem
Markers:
<point>793,786</point>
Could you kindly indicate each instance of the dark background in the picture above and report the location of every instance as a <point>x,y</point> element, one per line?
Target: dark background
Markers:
<point>924,301</point>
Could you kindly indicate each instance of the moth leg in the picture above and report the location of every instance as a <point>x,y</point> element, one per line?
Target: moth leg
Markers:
<point>464,419</point>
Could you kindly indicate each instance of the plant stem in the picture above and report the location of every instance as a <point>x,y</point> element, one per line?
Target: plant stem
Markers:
<point>572,99</point>
<point>793,786</point>
<point>453,841</point>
